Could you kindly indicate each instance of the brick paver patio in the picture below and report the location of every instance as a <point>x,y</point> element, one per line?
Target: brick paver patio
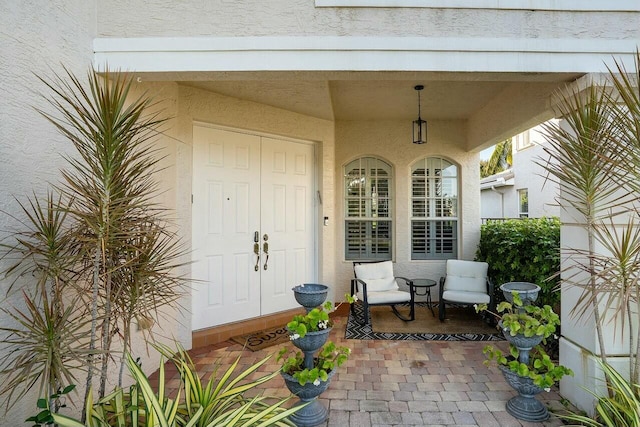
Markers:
<point>400,383</point>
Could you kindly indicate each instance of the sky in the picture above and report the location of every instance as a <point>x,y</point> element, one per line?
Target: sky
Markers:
<point>486,153</point>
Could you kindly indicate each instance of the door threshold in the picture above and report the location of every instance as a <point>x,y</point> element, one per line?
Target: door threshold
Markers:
<point>218,334</point>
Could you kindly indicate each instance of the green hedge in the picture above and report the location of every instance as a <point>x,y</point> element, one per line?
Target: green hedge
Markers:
<point>523,250</point>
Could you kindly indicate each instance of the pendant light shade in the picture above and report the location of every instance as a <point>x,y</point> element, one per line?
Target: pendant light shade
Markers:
<point>419,125</point>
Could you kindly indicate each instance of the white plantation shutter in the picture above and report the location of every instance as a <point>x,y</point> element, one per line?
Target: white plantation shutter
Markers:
<point>434,209</point>
<point>368,183</point>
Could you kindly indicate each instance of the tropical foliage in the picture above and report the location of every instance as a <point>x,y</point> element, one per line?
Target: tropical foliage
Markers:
<point>98,255</point>
<point>619,409</point>
<point>595,157</point>
<point>501,159</point>
<point>523,250</point>
<point>219,402</point>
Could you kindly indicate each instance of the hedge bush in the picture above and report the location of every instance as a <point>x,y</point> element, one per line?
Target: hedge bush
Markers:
<point>523,250</point>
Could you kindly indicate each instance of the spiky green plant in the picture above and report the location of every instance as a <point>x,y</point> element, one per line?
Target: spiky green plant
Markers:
<point>105,245</point>
<point>45,343</point>
<point>130,255</point>
<point>222,397</point>
<point>621,408</point>
<point>221,402</point>
<point>582,161</point>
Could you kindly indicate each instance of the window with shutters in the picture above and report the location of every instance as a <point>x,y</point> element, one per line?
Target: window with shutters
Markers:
<point>434,209</point>
<point>368,183</point>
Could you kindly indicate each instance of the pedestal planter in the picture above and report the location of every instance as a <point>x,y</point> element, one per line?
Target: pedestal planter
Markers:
<point>310,295</point>
<point>528,292</point>
<point>314,413</point>
<point>523,343</point>
<point>524,406</point>
<point>311,343</point>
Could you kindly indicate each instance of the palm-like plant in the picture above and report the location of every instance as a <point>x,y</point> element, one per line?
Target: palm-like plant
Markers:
<point>597,161</point>
<point>221,402</point>
<point>129,257</point>
<point>102,244</point>
<point>582,160</point>
<point>45,343</point>
<point>500,160</point>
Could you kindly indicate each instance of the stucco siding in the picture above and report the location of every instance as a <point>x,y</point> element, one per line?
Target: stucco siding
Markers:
<point>142,18</point>
<point>35,39</point>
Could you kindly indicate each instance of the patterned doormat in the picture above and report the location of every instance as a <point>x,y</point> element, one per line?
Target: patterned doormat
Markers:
<point>430,327</point>
<point>258,340</point>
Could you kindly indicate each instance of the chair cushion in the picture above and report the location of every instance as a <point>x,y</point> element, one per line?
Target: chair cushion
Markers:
<point>386,297</point>
<point>466,297</point>
<point>470,276</point>
<point>377,275</point>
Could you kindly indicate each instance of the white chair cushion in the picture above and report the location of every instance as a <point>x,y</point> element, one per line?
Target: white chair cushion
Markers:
<point>378,276</point>
<point>386,297</point>
<point>466,297</point>
<point>469,276</point>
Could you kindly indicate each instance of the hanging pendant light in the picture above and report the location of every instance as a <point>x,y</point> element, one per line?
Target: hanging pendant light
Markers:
<point>419,125</point>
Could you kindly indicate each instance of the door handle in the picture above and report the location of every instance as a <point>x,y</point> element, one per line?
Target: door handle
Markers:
<point>256,250</point>
<point>265,249</point>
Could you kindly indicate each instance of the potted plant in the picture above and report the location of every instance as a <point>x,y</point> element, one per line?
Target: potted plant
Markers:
<point>526,366</point>
<point>307,373</point>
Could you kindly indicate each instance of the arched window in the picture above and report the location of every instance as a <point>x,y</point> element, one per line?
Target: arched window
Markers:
<point>367,226</point>
<point>434,209</point>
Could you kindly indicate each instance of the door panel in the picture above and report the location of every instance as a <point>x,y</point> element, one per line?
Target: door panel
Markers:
<point>245,184</point>
<point>226,193</point>
<point>287,218</point>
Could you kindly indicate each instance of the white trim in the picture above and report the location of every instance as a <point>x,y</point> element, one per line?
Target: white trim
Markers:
<point>184,54</point>
<point>556,5</point>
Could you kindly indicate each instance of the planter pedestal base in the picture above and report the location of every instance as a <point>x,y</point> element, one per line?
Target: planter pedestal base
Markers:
<point>527,408</point>
<point>311,415</point>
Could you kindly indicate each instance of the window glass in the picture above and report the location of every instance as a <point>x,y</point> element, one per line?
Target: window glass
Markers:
<point>523,203</point>
<point>434,209</point>
<point>368,221</point>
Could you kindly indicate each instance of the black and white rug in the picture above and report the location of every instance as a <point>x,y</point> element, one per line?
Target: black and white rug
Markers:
<point>355,330</point>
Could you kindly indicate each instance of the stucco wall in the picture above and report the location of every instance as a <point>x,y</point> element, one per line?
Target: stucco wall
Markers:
<point>503,202</point>
<point>35,37</point>
<point>138,18</point>
<point>391,141</point>
<point>529,175</point>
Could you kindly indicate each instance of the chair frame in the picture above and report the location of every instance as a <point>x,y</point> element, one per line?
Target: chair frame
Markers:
<point>355,283</point>
<point>442,302</point>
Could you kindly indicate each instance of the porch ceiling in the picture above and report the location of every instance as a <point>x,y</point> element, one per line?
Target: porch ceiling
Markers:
<point>388,95</point>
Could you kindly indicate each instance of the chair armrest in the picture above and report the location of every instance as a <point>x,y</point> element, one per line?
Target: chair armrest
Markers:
<point>490,292</point>
<point>355,287</point>
<point>407,282</point>
<point>441,290</point>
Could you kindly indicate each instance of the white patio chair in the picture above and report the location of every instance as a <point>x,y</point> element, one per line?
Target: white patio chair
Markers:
<point>375,284</point>
<point>466,283</point>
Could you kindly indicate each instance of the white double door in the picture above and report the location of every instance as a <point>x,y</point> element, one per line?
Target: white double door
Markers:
<point>253,216</point>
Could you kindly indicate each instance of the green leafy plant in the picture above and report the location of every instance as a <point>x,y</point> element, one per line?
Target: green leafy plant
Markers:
<point>541,369</point>
<point>329,358</point>
<point>523,250</point>
<point>315,320</point>
<point>527,320</point>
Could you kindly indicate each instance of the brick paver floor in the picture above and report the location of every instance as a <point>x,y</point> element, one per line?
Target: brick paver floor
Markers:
<point>400,383</point>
